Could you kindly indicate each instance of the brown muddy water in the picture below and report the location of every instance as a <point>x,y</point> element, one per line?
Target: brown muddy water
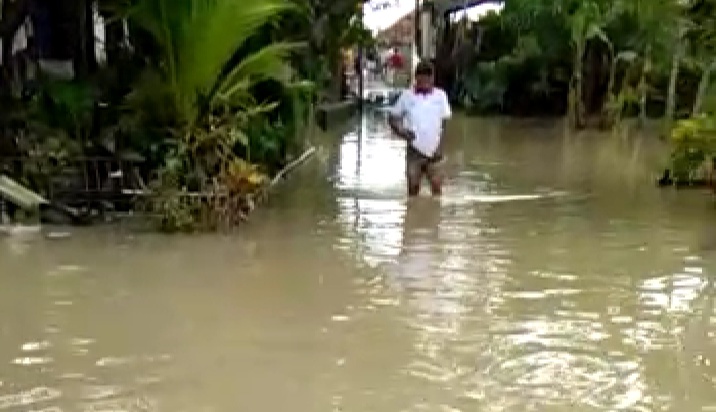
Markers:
<point>552,276</point>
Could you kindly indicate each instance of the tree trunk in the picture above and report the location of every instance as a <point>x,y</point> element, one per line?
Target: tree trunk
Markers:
<point>703,88</point>
<point>113,37</point>
<point>619,106</point>
<point>576,103</point>
<point>591,78</point>
<point>334,57</point>
<point>337,77</point>
<point>608,107</point>
<point>644,86</point>
<point>673,77</point>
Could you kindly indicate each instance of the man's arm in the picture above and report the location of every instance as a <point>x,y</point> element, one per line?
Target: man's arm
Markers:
<point>447,110</point>
<point>446,114</point>
<point>396,125</point>
<point>395,119</point>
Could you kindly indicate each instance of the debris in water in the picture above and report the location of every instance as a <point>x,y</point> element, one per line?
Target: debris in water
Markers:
<point>15,230</point>
<point>58,235</point>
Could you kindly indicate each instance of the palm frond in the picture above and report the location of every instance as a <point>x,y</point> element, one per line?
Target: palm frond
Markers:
<point>218,29</point>
<point>199,38</point>
<point>267,63</point>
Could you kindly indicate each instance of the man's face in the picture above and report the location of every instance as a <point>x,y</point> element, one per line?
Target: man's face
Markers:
<point>424,81</point>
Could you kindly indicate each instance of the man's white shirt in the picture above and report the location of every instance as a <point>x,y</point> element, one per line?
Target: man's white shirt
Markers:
<point>423,114</point>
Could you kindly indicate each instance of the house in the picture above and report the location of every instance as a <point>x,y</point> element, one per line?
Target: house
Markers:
<point>401,33</point>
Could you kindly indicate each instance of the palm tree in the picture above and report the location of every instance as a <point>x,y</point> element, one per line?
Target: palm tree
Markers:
<point>704,45</point>
<point>199,41</point>
<point>198,91</point>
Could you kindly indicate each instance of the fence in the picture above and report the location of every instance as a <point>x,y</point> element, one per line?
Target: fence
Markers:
<point>85,183</point>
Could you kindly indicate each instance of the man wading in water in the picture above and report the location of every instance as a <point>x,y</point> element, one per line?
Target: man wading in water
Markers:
<point>419,117</point>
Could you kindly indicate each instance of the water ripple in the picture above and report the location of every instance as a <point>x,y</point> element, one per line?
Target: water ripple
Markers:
<point>29,397</point>
<point>524,300</point>
<point>545,279</point>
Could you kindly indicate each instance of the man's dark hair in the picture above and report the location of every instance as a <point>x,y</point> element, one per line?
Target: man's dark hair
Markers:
<point>424,68</point>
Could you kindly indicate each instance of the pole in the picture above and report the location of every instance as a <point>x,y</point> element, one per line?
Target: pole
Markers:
<point>361,60</point>
<point>418,48</point>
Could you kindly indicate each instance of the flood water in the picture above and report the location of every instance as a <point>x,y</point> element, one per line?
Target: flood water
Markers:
<point>552,276</point>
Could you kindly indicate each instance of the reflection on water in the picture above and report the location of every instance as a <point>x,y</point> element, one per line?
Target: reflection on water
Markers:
<point>551,276</point>
<point>532,283</point>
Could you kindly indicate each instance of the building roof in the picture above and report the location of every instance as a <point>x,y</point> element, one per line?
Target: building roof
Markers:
<point>402,31</point>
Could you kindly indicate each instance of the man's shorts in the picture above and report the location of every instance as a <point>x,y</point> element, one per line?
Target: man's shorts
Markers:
<point>418,164</point>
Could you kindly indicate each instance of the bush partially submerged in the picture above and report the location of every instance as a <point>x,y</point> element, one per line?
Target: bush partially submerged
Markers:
<point>220,202</point>
<point>694,149</point>
<point>205,88</point>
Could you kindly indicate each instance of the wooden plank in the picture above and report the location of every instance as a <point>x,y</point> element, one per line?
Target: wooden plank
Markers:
<point>294,164</point>
<point>20,195</point>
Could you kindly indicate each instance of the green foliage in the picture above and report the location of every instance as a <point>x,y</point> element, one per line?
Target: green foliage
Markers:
<point>581,46</point>
<point>694,143</point>
<point>357,34</point>
<point>64,107</point>
<point>198,39</point>
<point>213,93</point>
<point>483,87</point>
<point>59,123</point>
<point>205,100</point>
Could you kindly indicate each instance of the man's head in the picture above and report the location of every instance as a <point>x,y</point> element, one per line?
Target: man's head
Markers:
<point>424,76</point>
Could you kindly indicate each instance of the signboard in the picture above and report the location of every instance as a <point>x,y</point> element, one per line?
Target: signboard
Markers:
<point>379,5</point>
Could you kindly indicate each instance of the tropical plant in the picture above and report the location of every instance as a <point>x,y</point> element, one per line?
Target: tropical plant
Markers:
<point>703,39</point>
<point>648,33</point>
<point>694,145</point>
<point>331,26</point>
<point>201,92</point>
<point>204,65</point>
<point>553,22</point>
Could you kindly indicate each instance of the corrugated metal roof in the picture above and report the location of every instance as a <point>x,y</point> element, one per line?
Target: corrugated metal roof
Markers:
<point>449,6</point>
